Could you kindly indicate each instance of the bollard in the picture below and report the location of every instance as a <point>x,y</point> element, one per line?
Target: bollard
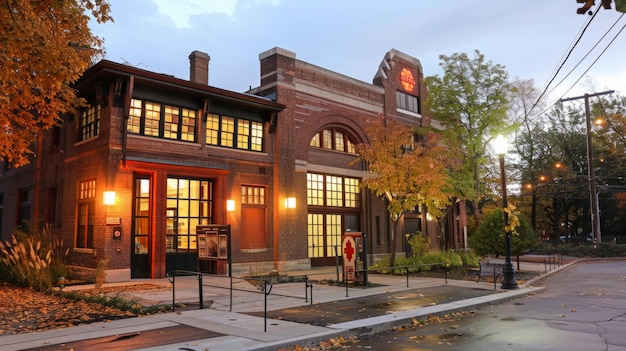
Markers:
<point>407,276</point>
<point>266,292</point>
<point>200,291</point>
<point>307,286</point>
<point>174,292</point>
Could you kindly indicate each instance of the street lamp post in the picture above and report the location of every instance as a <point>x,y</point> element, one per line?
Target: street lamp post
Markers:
<point>509,282</point>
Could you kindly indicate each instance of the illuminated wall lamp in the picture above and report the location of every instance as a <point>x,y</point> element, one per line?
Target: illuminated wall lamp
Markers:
<point>109,198</point>
<point>290,202</point>
<point>230,205</point>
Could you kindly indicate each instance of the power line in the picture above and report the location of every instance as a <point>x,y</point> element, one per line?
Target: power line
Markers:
<point>596,60</point>
<point>587,54</point>
<point>563,62</point>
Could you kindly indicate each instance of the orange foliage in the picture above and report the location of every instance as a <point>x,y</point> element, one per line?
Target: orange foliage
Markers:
<point>406,172</point>
<point>45,46</point>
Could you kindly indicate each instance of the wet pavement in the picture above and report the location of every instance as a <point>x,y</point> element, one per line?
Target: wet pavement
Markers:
<point>238,321</point>
<point>324,314</point>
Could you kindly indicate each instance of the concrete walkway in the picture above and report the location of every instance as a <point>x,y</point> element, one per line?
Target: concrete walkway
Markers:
<point>235,329</point>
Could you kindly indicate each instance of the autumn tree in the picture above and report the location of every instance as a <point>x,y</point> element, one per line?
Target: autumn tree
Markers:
<point>45,46</point>
<point>471,102</point>
<point>405,172</point>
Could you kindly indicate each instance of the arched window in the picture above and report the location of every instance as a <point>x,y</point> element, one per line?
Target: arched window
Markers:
<point>334,139</point>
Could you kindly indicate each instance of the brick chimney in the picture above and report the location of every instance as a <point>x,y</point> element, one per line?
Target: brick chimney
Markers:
<point>199,67</point>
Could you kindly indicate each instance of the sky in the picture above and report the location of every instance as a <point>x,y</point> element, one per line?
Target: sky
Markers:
<point>529,38</point>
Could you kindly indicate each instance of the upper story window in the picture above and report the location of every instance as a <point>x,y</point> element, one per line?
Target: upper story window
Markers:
<point>332,191</point>
<point>234,132</point>
<point>334,139</point>
<point>162,121</point>
<point>407,102</point>
<point>89,123</point>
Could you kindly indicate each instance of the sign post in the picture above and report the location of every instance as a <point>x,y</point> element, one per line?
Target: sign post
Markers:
<point>354,253</point>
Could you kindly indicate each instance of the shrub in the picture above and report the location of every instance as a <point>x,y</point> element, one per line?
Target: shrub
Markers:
<point>35,261</point>
<point>489,238</point>
<point>427,262</point>
<point>469,258</point>
<point>420,243</point>
<point>575,250</point>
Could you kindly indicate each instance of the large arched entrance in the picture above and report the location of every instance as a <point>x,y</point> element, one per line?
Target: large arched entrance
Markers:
<point>333,196</point>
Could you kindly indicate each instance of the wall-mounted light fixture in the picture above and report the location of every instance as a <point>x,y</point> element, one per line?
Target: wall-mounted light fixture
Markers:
<point>109,198</point>
<point>290,202</point>
<point>230,205</point>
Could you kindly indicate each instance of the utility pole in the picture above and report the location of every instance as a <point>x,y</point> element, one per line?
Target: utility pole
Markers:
<point>591,172</point>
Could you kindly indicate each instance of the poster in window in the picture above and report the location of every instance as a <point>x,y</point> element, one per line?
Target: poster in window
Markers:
<point>222,246</point>
<point>201,245</point>
<point>211,245</point>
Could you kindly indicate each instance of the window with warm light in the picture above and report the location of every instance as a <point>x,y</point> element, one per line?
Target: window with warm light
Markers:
<point>189,204</point>
<point>324,234</point>
<point>333,201</point>
<point>334,139</point>
<point>234,132</point>
<point>333,191</point>
<point>252,195</point>
<point>141,216</point>
<point>161,120</point>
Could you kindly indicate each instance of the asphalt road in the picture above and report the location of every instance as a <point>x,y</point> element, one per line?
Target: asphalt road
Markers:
<point>582,308</point>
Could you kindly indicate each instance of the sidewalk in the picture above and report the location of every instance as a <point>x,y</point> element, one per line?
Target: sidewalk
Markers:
<point>222,326</point>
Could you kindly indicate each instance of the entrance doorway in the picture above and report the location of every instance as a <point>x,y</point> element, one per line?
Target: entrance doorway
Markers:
<point>189,204</point>
<point>140,238</point>
<point>324,236</point>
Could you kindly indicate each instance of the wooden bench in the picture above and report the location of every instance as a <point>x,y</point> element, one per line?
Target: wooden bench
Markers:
<point>493,270</point>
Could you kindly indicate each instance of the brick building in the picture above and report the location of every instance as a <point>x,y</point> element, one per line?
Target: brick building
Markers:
<point>153,158</point>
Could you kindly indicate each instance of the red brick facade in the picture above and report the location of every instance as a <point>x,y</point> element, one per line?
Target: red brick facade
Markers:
<point>194,179</point>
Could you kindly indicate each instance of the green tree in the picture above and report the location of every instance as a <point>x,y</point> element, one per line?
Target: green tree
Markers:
<point>532,143</point>
<point>471,102</point>
<point>45,46</point>
<point>609,113</point>
<point>405,172</point>
<point>489,238</point>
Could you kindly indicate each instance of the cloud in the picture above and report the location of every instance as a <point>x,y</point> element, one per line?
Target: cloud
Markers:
<point>181,11</point>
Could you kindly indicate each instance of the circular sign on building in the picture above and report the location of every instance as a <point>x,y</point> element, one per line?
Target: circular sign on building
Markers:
<point>407,80</point>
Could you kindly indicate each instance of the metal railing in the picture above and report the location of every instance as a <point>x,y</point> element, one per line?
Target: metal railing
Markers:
<point>407,270</point>
<point>553,261</point>
<point>263,286</point>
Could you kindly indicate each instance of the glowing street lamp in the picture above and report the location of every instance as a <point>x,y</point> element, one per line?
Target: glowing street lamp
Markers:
<point>500,146</point>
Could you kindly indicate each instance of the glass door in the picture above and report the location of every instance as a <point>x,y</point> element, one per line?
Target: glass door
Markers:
<point>140,257</point>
